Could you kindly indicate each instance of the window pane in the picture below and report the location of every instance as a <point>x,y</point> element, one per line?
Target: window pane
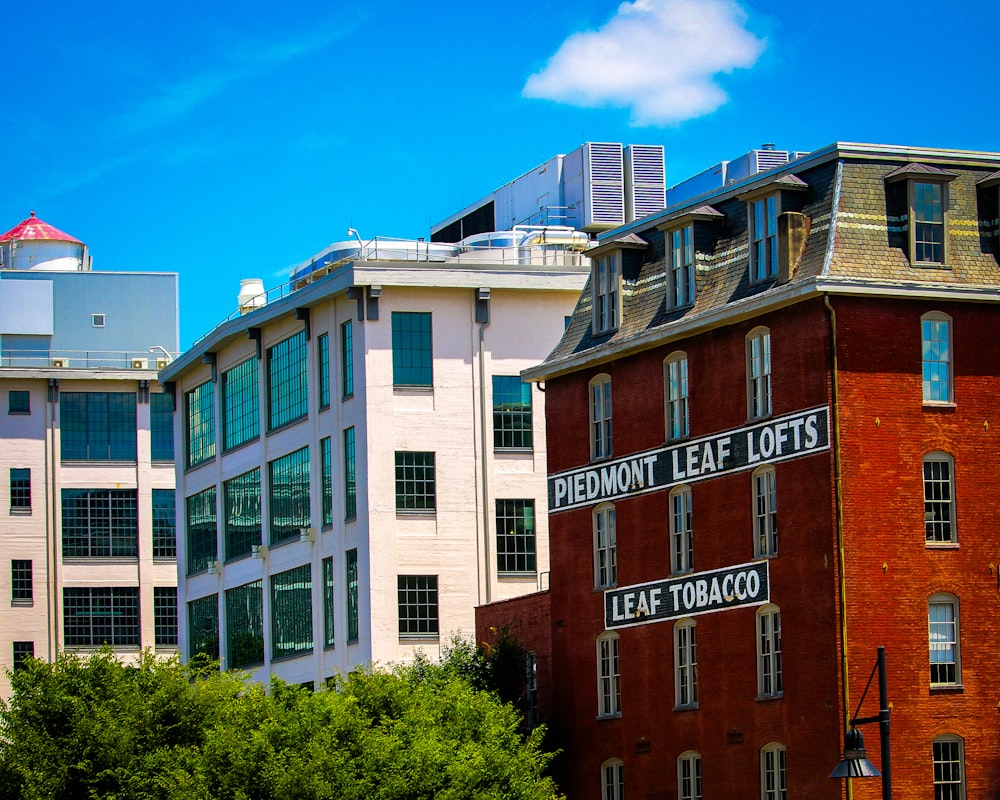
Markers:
<point>350,477</point>
<point>96,616</point>
<point>161,411</point>
<point>18,402</point>
<point>323,353</point>
<point>326,459</point>
<point>240,404</point>
<point>21,582</point>
<point>203,627</point>
<point>511,412</point>
<point>347,359</point>
<point>100,522</point>
<point>291,612</point>
<point>328,603</point>
<point>165,614</point>
<point>418,605</point>
<point>199,410</point>
<point>242,510</point>
<point>411,349</point>
<point>164,524</point>
<point>938,500</point>
<point>202,533</point>
<point>936,360</point>
<point>351,584</point>
<point>245,625</point>
<point>415,482</point>
<point>289,495</point>
<point>20,491</point>
<point>288,397</point>
<point>98,426</point>
<point>515,536</point>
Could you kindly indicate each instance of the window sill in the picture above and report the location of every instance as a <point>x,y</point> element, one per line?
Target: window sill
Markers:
<point>165,559</point>
<point>605,587</point>
<point>20,512</point>
<point>947,688</point>
<point>939,405</point>
<point>533,575</point>
<point>105,462</point>
<point>18,413</point>
<point>347,397</point>
<point>286,540</point>
<point>101,560</point>
<point>604,717</point>
<point>22,603</point>
<point>330,646</point>
<point>767,698</point>
<point>241,445</point>
<point>192,467</point>
<point>419,637</point>
<point>764,556</point>
<point>942,545</point>
<point>429,513</point>
<point>930,265</point>
<point>689,707</point>
<point>276,659</point>
<point>414,388</point>
<point>286,425</point>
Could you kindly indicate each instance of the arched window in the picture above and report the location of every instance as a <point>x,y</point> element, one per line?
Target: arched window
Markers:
<point>675,392</point>
<point>939,499</point>
<point>949,767</point>
<point>689,776</point>
<point>758,345</point>
<point>613,779</point>
<point>765,512</point>
<point>681,536</point>
<point>935,359</point>
<point>773,783</point>
<point>605,547</point>
<point>769,675</point>
<point>685,664</point>
<point>943,640</point>
<point>609,698</point>
<point>600,417</point>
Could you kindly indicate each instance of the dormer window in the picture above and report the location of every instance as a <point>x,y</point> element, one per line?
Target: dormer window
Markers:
<point>989,208</point>
<point>926,212</point>
<point>764,205</point>
<point>682,253</point>
<point>607,284</point>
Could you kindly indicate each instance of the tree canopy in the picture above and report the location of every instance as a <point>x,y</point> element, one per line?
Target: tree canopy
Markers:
<point>97,728</point>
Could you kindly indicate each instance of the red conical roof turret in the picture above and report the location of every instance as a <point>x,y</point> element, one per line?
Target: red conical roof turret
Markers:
<point>34,229</point>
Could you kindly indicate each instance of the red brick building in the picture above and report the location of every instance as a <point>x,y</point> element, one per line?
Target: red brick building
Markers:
<point>773,437</point>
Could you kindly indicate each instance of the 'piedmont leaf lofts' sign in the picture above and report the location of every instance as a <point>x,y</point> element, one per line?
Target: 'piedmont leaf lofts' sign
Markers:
<point>779,439</point>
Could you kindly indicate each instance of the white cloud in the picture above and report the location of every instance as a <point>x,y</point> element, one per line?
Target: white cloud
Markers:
<point>659,57</point>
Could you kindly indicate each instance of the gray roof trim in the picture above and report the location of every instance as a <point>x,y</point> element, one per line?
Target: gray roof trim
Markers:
<point>79,373</point>
<point>990,180</point>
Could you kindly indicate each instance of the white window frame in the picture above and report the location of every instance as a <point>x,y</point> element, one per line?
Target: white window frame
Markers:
<point>681,260</point>
<point>758,357</point>
<point>601,432</point>
<point>946,787</point>
<point>944,637</point>
<point>689,776</point>
<point>770,679</point>
<point>605,547</point>
<point>939,500</point>
<point>613,779</point>
<point>675,393</point>
<point>98,320</point>
<point>936,372</point>
<point>765,512</point>
<point>607,273</point>
<point>685,664</point>
<point>762,233</point>
<point>942,223</point>
<point>609,698</point>
<point>773,772</point>
<point>681,533</point>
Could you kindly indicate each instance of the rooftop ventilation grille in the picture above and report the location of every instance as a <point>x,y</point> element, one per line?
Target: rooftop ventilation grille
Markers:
<point>607,183</point>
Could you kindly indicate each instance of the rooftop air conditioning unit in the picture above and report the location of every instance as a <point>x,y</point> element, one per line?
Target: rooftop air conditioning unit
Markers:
<point>162,363</point>
<point>60,362</point>
<point>140,363</point>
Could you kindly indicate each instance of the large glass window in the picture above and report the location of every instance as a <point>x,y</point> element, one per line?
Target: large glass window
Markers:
<point>287,390</point>
<point>242,509</point>
<point>689,776</point>
<point>613,780</point>
<point>942,617</point>
<point>97,426</point>
<point>328,603</point>
<point>244,625</point>
<point>202,531</point>
<point>164,524</point>
<point>928,223</point>
<point>606,279</point>
<point>759,373</point>
<point>326,460</point>
<point>203,627</point>
<point>682,266</point>
<point>351,585</point>
<point>935,330</point>
<point>675,380</point>
<point>22,652</point>
<point>18,401</point>
<point>605,547</point>
<point>681,534</point>
<point>240,404</point>
<point>515,536</point>
<point>685,664</point>
<point>764,238</point>
<point>165,615</point>
<point>199,415</point>
<point>415,482</point>
<point>418,606</point>
<point>289,494</point>
<point>511,413</point>
<point>161,426</point>
<point>773,781</point>
<point>939,499</point>
<point>291,612</point>
<point>765,512</point>
<point>949,768</point>
<point>323,353</point>
<point>412,354</point>
<point>100,522</point>
<point>22,591</point>
<point>350,476</point>
<point>96,616</point>
<point>600,417</point>
<point>20,491</point>
<point>769,675</point>
<point>347,359</point>
<point>609,697</point>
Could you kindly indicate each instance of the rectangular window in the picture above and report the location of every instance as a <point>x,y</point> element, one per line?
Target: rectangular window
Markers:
<point>289,494</point>
<point>241,498</point>
<point>689,777</point>
<point>291,612</point>
<point>203,627</point>
<point>164,524</point>
<point>323,353</point>
<point>676,380</point>
<point>613,785</point>
<point>607,276</point>
<point>97,426</point>
<point>764,238</point>
<point>199,416</point>
<point>511,413</point>
<point>681,536</point>
<point>287,391</point>
<point>161,426</point>
<point>240,404</point>
<point>682,266</point>
<point>22,652</point>
<point>165,615</point>
<point>685,664</point>
<point>608,677</point>
<point>600,418</point>
<point>936,359</point>
<point>774,781</point>
<point>769,652</point>
<point>350,476</point>
<point>939,500</point>
<point>412,353</point>
<point>202,530</point>
<point>18,401</point>
<point>22,590</point>
<point>326,459</point>
<point>100,523</point>
<point>765,519</point>
<point>351,585</point>
<point>943,635</point>
<point>605,548</point>
<point>418,606</point>
<point>92,617</point>
<point>20,491</point>
<point>415,482</point>
<point>245,625</point>
<point>328,603</point>
<point>759,373</point>
<point>347,360</point>
<point>928,221</point>
<point>949,783</point>
<point>515,536</point>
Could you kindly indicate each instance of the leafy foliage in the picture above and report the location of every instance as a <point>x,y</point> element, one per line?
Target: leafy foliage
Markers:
<point>96,728</point>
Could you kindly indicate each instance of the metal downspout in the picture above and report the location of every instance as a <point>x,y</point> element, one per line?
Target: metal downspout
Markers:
<point>51,553</point>
<point>484,465</point>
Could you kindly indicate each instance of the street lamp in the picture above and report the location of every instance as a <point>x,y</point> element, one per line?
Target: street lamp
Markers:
<point>855,763</point>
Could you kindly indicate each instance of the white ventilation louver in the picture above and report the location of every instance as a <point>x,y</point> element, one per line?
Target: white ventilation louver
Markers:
<point>769,159</point>
<point>604,177</point>
<point>645,181</point>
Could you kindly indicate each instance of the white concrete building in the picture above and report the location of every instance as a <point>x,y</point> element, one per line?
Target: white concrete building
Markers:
<point>87,471</point>
<point>360,463</point>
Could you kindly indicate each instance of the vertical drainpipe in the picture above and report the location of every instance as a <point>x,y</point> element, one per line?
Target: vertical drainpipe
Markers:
<point>51,509</point>
<point>482,316</point>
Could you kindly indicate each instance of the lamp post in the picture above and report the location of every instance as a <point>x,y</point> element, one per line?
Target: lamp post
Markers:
<point>855,763</point>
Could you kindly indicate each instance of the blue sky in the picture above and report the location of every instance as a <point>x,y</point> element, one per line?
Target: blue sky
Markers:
<point>226,141</point>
